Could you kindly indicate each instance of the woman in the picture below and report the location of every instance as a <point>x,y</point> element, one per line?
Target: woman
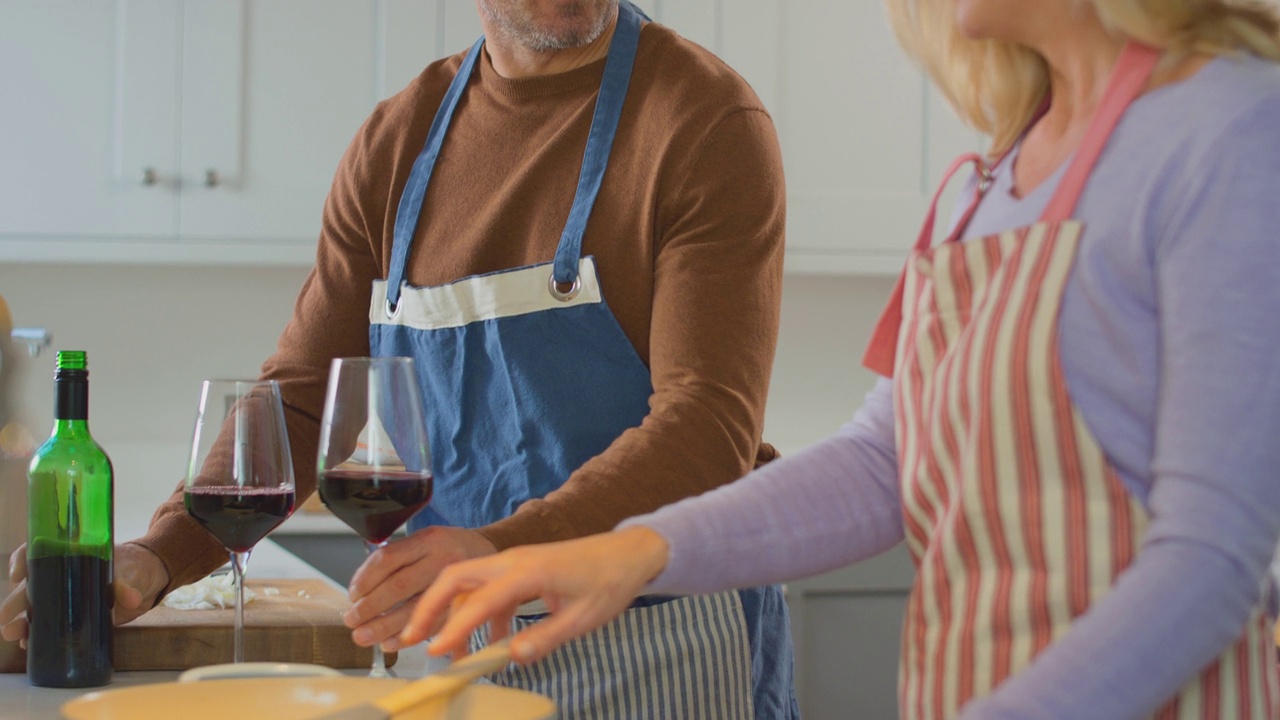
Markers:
<point>1077,433</point>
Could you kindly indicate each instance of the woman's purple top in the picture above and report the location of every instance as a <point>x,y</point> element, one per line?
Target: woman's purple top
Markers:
<point>1170,336</point>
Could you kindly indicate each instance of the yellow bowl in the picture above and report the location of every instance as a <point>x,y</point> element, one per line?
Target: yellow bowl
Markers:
<point>293,698</point>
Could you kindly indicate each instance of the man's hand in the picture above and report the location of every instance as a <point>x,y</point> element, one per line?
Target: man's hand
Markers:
<point>385,587</point>
<point>139,578</point>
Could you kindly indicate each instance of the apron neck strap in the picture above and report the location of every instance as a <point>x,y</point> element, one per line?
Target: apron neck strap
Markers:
<point>925,239</point>
<point>410,207</point>
<point>604,126</point>
<point>1129,77</point>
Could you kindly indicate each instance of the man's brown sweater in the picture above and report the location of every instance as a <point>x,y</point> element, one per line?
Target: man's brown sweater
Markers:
<point>687,234</point>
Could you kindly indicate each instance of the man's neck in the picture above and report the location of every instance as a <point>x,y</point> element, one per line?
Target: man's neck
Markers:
<point>513,61</point>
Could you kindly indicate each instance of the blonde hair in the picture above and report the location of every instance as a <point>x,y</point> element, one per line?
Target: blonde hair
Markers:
<point>998,86</point>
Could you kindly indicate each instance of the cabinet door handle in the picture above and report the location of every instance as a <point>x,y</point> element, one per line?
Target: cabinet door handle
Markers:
<point>148,176</point>
<point>211,178</point>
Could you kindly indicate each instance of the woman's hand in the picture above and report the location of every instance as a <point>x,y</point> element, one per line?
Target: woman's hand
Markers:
<point>139,578</point>
<point>584,583</point>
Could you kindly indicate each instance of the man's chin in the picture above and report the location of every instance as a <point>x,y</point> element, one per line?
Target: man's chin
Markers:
<point>550,27</point>
<point>566,36</point>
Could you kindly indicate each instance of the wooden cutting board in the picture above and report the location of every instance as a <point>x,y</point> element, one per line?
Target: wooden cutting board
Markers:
<point>302,623</point>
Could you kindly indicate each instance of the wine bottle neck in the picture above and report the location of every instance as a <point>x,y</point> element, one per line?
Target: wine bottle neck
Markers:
<point>71,396</point>
<point>70,429</point>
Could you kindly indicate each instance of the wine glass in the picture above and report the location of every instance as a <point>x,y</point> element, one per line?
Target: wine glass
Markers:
<point>239,482</point>
<point>374,466</point>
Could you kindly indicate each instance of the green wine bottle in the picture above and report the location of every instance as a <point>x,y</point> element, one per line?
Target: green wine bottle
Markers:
<point>69,545</point>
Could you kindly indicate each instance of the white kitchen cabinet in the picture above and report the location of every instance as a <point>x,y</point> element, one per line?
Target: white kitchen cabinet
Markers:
<point>272,92</point>
<point>865,138</point>
<point>207,131</point>
<point>415,33</point>
<point>202,131</point>
<point>62,132</point>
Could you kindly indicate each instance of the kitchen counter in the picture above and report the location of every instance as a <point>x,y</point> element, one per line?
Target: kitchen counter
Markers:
<point>20,701</point>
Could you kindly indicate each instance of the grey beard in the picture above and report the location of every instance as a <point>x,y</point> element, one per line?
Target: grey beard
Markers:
<point>536,40</point>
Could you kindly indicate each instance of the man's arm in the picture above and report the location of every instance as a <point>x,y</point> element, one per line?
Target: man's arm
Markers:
<point>330,319</point>
<point>717,292</point>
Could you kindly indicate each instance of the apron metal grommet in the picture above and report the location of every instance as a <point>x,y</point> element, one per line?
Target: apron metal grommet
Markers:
<point>567,295</point>
<point>392,311</point>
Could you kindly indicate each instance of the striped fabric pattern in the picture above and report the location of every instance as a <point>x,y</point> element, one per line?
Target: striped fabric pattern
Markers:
<point>686,659</point>
<point>1016,521</point>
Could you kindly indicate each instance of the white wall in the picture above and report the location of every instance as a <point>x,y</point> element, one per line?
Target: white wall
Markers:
<point>153,333</point>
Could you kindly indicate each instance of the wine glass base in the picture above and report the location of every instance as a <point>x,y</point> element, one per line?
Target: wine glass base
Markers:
<point>381,673</point>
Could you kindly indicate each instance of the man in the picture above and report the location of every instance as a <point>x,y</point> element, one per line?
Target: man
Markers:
<point>576,230</point>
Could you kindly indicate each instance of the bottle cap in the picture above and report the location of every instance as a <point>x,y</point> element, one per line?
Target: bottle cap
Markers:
<point>72,360</point>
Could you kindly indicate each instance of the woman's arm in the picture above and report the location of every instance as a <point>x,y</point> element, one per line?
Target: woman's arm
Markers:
<point>827,506</point>
<point>832,504</point>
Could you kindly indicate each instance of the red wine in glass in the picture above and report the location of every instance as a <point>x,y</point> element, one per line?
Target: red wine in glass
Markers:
<point>239,516</point>
<point>239,484</point>
<point>372,431</point>
<point>374,502</point>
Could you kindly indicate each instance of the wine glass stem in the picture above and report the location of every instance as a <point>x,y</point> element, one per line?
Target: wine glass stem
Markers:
<point>239,563</point>
<point>379,669</point>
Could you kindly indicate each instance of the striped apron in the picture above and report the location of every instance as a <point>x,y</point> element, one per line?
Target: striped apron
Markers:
<point>683,659</point>
<point>1015,519</point>
<point>526,375</point>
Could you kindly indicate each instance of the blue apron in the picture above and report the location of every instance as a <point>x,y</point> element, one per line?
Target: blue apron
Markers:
<point>526,375</point>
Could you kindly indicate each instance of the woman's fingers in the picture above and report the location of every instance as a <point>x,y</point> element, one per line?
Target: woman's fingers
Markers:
<point>540,639</point>
<point>493,602</point>
<point>426,618</point>
<point>491,591</point>
<point>585,583</point>
<point>449,598</point>
<point>500,625</point>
